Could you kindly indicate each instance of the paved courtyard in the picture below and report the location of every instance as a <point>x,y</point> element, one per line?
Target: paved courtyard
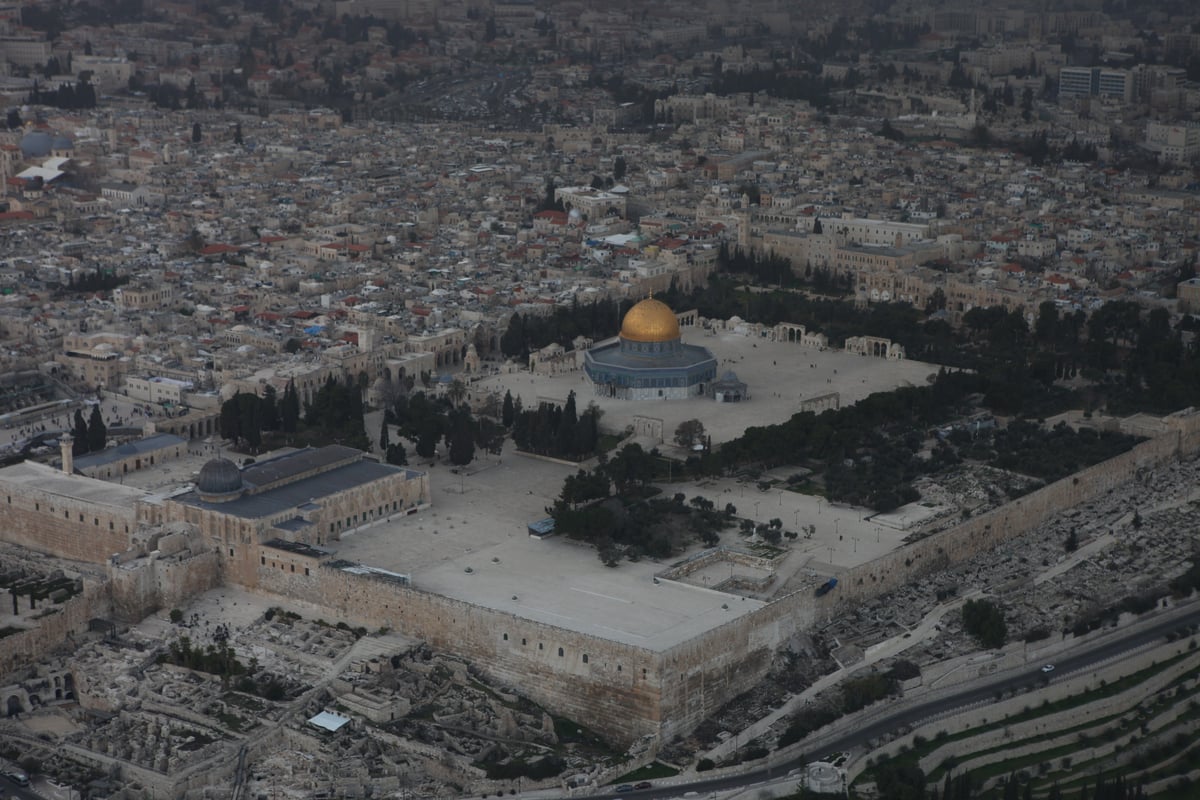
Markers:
<point>780,375</point>
<point>473,545</point>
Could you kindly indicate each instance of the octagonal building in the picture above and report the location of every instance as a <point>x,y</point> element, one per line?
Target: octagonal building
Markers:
<point>648,360</point>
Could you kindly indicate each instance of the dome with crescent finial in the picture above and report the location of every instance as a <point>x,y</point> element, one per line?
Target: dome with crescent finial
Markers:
<point>650,321</point>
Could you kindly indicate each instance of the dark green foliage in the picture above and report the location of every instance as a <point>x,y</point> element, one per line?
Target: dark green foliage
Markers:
<point>877,425</point>
<point>860,692</point>
<point>598,320</point>
<point>221,661</point>
<point>705,764</point>
<point>904,670</point>
<point>81,94</point>
<point>984,621</point>
<point>269,409</point>
<point>510,770</point>
<point>241,419</point>
<point>1072,542</point>
<point>337,409</point>
<point>888,131</point>
<point>461,438</point>
<point>1029,448</point>
<point>777,82</point>
<point>97,432</point>
<point>508,410</point>
<point>558,432</point>
<point>770,269</point>
<point>79,445</point>
<point>1037,635</point>
<point>805,722</point>
<point>289,409</point>
<point>1188,582</point>
<point>899,781</point>
<point>630,524</point>
<point>96,281</point>
<point>396,455</point>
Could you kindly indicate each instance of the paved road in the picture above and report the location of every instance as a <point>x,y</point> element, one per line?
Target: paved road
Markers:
<point>1086,657</point>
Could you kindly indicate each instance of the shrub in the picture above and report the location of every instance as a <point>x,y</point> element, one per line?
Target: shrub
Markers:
<point>984,621</point>
<point>704,765</point>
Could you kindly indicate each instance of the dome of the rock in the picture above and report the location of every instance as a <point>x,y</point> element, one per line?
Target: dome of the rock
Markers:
<point>650,321</point>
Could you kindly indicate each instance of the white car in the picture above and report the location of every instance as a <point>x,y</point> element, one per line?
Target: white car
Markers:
<point>1048,668</point>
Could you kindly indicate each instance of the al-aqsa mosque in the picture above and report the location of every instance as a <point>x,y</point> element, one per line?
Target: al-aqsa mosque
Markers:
<point>648,360</point>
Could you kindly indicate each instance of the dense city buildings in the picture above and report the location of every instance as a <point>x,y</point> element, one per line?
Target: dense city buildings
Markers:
<point>815,322</point>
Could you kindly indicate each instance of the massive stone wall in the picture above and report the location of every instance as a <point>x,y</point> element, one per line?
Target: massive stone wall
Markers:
<point>613,688</point>
<point>624,691</point>
<point>64,527</point>
<point>702,674</point>
<point>987,531</point>
<point>144,585</point>
<point>619,690</point>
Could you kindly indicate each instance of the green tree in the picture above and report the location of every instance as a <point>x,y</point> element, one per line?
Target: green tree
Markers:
<point>384,438</point>
<point>689,432</point>
<point>985,622</point>
<point>81,442</point>
<point>196,135</point>
<point>429,434</point>
<point>396,455</point>
<point>456,392</point>
<point>508,411</point>
<point>462,446</point>
<point>269,409</point>
<point>97,433</point>
<point>1072,542</point>
<point>289,409</point>
<point>619,168</point>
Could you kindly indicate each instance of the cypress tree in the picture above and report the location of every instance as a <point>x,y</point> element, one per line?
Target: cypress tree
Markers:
<point>289,411</point>
<point>508,411</point>
<point>80,446</point>
<point>97,432</point>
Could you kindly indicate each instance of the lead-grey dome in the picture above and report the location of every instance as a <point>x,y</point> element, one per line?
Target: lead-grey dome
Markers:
<point>36,144</point>
<point>220,479</point>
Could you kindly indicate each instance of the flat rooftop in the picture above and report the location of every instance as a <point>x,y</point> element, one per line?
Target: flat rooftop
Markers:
<point>76,487</point>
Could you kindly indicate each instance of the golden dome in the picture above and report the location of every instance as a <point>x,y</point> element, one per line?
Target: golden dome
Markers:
<point>650,321</point>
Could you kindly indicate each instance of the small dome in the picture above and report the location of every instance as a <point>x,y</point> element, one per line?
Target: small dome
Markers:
<point>220,479</point>
<point>650,321</point>
<point>36,144</point>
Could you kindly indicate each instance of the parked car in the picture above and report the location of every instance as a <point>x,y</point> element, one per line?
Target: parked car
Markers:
<point>17,777</point>
<point>624,787</point>
<point>642,785</point>
<point>1048,668</point>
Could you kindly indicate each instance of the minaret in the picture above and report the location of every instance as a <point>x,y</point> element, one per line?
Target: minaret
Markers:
<point>67,442</point>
